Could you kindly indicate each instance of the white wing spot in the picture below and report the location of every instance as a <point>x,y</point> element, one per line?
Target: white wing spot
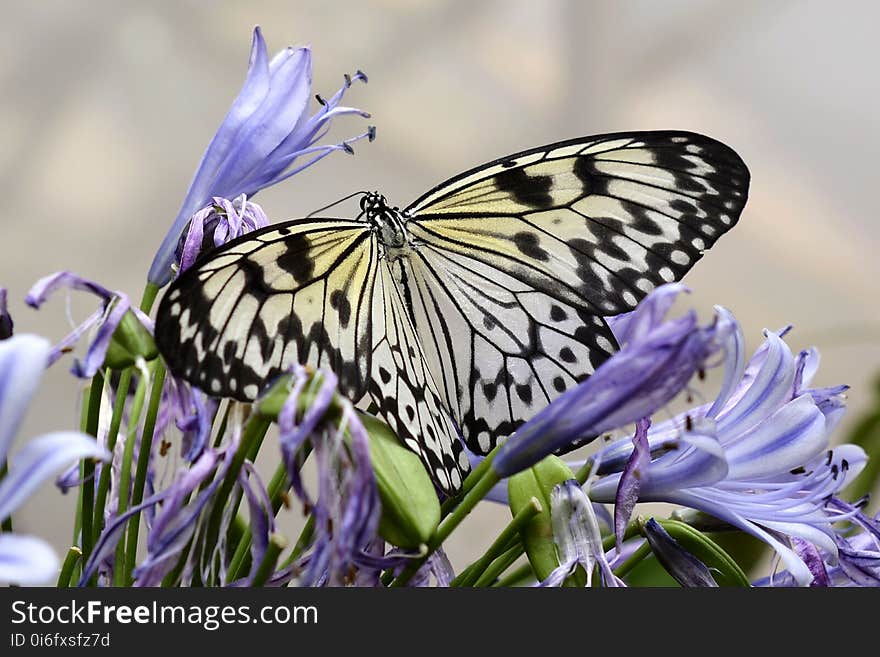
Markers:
<point>251,390</point>
<point>679,257</point>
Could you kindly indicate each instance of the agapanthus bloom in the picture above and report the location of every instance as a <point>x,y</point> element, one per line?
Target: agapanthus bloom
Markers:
<point>654,364</point>
<point>105,320</point>
<point>757,458</point>
<point>26,559</point>
<point>267,136</point>
<point>346,509</point>
<point>577,536</point>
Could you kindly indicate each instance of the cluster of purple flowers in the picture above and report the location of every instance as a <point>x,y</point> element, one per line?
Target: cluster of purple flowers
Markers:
<point>758,459</point>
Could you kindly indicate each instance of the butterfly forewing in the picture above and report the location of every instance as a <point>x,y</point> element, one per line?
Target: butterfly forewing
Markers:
<point>520,259</point>
<point>299,292</point>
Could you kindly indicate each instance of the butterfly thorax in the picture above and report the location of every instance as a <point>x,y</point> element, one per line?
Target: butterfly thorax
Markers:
<point>389,224</point>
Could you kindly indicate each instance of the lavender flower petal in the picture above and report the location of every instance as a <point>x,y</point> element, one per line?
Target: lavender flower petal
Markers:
<point>628,488</point>
<point>41,458</point>
<point>22,361</point>
<point>259,141</point>
<point>684,567</point>
<point>26,561</point>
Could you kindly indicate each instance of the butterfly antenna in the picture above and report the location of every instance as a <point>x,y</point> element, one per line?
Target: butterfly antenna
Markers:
<point>327,207</point>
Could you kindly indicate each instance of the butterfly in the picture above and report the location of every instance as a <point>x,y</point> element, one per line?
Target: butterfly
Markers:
<point>470,310</point>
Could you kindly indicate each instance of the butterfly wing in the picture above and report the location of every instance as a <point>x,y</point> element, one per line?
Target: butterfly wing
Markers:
<point>312,292</point>
<point>521,258</point>
<point>298,292</point>
<point>406,392</point>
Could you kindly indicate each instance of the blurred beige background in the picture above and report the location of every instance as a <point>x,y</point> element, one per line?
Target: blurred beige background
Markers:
<point>107,106</point>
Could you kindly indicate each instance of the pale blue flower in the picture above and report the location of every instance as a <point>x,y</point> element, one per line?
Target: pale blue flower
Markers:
<point>757,457</point>
<point>267,136</point>
<point>25,559</point>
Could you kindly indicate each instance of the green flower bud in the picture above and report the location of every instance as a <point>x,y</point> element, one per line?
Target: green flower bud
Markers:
<point>130,341</point>
<point>537,535</point>
<point>410,508</point>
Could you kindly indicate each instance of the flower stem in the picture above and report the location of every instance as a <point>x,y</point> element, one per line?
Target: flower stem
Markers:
<point>267,566</point>
<point>149,296</point>
<point>500,546</point>
<point>115,421</point>
<point>498,566</point>
<point>302,543</point>
<point>633,560</point>
<point>74,557</point>
<point>125,476</point>
<point>145,454</point>
<point>87,499</point>
<point>469,482</point>
<point>476,493</point>
<point>517,576</point>
<point>253,435</point>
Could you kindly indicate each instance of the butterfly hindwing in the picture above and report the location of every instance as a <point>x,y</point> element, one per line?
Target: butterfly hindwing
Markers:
<point>501,341</point>
<point>405,391</point>
<point>299,292</point>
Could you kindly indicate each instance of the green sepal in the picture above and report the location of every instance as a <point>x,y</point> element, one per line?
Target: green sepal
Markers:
<point>130,341</point>
<point>723,567</point>
<point>537,535</point>
<point>410,508</point>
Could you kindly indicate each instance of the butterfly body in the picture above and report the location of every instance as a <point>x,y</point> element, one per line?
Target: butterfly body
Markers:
<point>467,312</point>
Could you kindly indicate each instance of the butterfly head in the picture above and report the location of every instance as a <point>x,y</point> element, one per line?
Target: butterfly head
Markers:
<point>387,221</point>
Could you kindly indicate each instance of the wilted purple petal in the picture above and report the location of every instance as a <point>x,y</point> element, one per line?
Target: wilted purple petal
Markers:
<point>810,556</point>
<point>22,361</point>
<point>113,308</point>
<point>261,514</point>
<point>684,567</point>
<point>628,489</point>
<point>41,458</point>
<point>26,560</point>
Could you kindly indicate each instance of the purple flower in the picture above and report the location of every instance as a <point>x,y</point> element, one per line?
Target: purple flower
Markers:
<point>347,508</point>
<point>114,306</point>
<point>654,364</point>
<point>5,318</point>
<point>684,567</point>
<point>216,224</point>
<point>267,136</point>
<point>25,559</point>
<point>577,536</point>
<point>757,457</point>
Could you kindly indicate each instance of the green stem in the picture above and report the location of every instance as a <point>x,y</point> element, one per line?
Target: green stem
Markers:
<point>74,556</point>
<point>87,499</point>
<point>144,455</point>
<point>469,482</point>
<point>115,421</point>
<point>498,566</point>
<point>302,543</point>
<point>476,493</point>
<point>267,566</point>
<point>500,545</point>
<point>583,472</point>
<point>253,436</point>
<point>633,560</point>
<point>517,576</point>
<point>148,297</point>
<point>125,476</point>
